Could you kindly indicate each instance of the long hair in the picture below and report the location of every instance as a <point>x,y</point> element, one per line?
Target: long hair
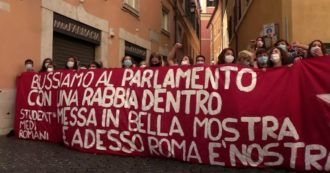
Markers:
<point>323,49</point>
<point>158,56</point>
<point>283,56</point>
<point>43,67</point>
<point>221,57</point>
<point>75,65</point>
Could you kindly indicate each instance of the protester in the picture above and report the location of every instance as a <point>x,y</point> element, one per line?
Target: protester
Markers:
<point>127,62</point>
<point>155,60</point>
<point>186,60</point>
<point>200,59</point>
<point>50,67</point>
<point>143,64</point>
<point>94,65</point>
<point>226,56</point>
<point>293,51</point>
<point>316,48</point>
<point>29,65</point>
<point>277,56</point>
<point>262,59</point>
<point>258,43</point>
<point>171,55</point>
<point>245,58</point>
<point>71,63</point>
<point>45,63</point>
<point>283,44</point>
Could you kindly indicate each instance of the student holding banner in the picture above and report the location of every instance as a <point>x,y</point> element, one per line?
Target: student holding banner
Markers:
<point>143,64</point>
<point>94,65</point>
<point>50,67</point>
<point>200,59</point>
<point>245,58</point>
<point>316,48</point>
<point>127,62</point>
<point>71,63</point>
<point>262,59</point>
<point>277,56</point>
<point>45,64</point>
<point>293,51</point>
<point>256,44</point>
<point>186,60</point>
<point>28,65</point>
<point>226,56</point>
<point>155,60</point>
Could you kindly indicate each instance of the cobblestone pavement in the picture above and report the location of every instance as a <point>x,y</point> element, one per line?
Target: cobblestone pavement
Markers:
<point>33,156</point>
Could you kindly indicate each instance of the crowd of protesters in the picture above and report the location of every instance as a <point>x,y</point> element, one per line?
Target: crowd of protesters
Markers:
<point>281,53</point>
<point>257,55</point>
<point>72,63</point>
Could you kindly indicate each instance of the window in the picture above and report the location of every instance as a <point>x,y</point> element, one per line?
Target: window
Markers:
<point>211,3</point>
<point>165,20</point>
<point>132,6</point>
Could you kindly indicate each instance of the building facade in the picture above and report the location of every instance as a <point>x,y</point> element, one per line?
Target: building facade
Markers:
<point>214,26</point>
<point>293,20</point>
<point>207,8</point>
<point>102,30</point>
<point>186,24</point>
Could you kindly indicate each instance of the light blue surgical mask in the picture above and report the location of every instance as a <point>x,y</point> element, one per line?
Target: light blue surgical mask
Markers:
<point>128,63</point>
<point>263,59</point>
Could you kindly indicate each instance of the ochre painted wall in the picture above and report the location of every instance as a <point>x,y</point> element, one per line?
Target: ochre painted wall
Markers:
<point>149,19</point>
<point>20,39</point>
<point>22,28</point>
<point>260,12</point>
<point>311,20</point>
<point>298,20</point>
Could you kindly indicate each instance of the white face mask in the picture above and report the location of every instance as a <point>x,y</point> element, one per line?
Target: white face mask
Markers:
<point>275,58</point>
<point>143,66</point>
<point>50,69</point>
<point>28,66</point>
<point>185,62</point>
<point>229,58</point>
<point>70,64</point>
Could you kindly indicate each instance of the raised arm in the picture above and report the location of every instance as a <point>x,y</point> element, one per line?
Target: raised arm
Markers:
<point>171,54</point>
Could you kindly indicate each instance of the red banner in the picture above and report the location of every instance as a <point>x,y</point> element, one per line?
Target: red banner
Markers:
<point>220,115</point>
